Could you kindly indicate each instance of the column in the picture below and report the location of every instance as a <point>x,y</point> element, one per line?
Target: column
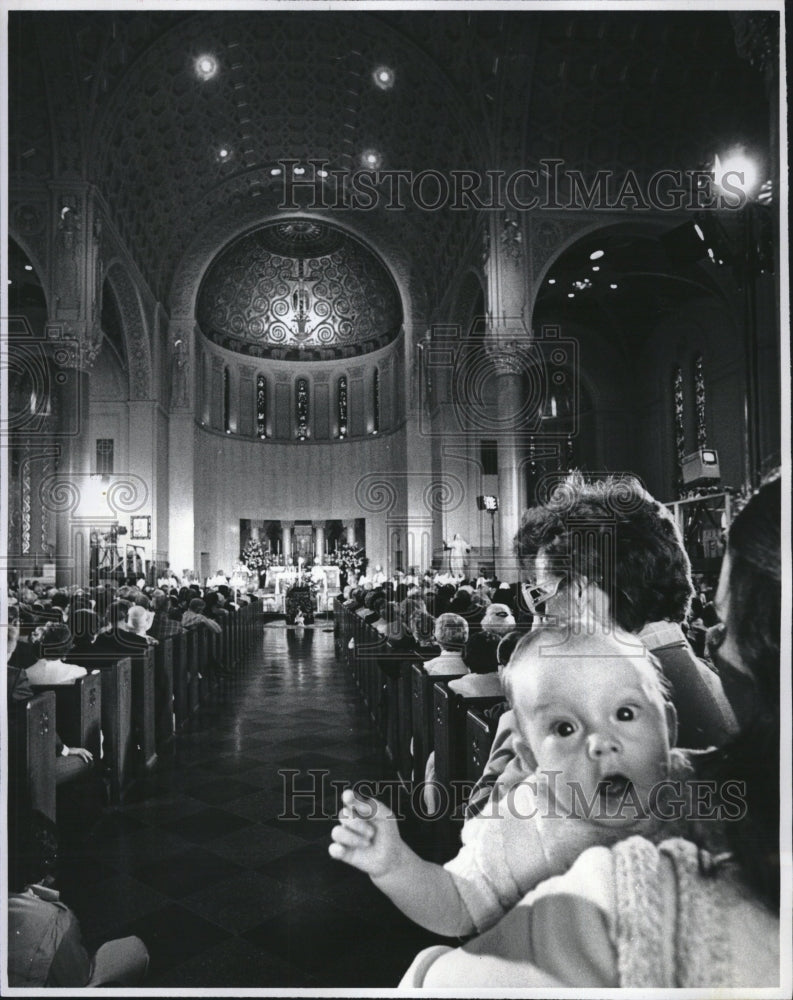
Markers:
<point>319,540</point>
<point>182,548</point>
<point>509,339</point>
<point>286,539</point>
<point>510,477</point>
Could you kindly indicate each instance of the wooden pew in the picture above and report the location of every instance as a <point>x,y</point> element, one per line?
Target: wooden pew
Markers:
<point>450,711</point>
<point>143,708</point>
<point>193,649</point>
<point>79,711</point>
<point>163,691</point>
<point>31,758</point>
<point>479,734</point>
<point>404,720</point>
<point>179,662</point>
<point>119,744</point>
<point>423,716</point>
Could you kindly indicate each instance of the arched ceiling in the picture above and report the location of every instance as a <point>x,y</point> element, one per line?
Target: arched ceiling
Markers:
<point>298,288</point>
<point>111,97</point>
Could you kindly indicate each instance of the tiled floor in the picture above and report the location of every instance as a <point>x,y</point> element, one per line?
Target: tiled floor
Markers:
<point>199,865</point>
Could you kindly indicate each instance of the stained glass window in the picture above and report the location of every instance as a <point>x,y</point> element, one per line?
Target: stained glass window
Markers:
<point>302,408</point>
<point>679,425</point>
<point>699,396</point>
<point>261,406</point>
<point>341,405</point>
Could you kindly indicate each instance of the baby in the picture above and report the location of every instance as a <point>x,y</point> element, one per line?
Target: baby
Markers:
<point>596,732</point>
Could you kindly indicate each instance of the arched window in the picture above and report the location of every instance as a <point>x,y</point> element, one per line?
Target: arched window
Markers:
<point>376,402</point>
<point>261,406</point>
<point>227,400</point>
<point>341,405</point>
<point>302,408</point>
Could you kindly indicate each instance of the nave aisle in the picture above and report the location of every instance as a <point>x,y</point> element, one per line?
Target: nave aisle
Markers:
<point>223,893</point>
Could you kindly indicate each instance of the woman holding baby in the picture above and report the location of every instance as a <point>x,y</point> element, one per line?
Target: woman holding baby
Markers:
<point>695,905</point>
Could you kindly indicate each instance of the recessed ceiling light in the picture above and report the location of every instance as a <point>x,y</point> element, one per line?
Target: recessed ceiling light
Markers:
<point>223,154</point>
<point>275,171</point>
<point>206,67</point>
<point>596,267</point>
<point>299,170</point>
<point>571,295</point>
<point>28,267</point>
<point>597,254</point>
<point>384,77</point>
<point>613,284</point>
<point>322,173</point>
<point>371,159</point>
<point>552,281</point>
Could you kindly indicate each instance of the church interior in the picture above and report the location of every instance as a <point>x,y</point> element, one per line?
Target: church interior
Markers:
<point>298,296</point>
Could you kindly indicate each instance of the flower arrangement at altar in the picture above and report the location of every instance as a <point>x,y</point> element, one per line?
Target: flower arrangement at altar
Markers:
<point>253,555</point>
<point>349,558</point>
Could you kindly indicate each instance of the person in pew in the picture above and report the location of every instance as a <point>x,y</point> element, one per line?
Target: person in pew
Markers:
<point>85,626</point>
<point>117,641</point>
<point>481,651</point>
<point>696,913</point>
<point>423,628</point>
<point>451,634</point>
<point>71,763</point>
<point>213,608</point>
<point>162,626</point>
<point>596,732</point>
<point>45,947</point>
<point>646,591</point>
<point>194,617</point>
<point>55,642</point>
<point>138,622</point>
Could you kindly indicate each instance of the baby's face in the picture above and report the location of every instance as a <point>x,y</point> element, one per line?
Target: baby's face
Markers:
<point>598,721</point>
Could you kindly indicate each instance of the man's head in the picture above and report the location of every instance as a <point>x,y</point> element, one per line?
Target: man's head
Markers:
<point>591,710</point>
<point>55,640</point>
<point>605,551</point>
<point>160,601</point>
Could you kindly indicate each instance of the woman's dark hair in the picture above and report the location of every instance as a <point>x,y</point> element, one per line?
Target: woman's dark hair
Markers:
<point>752,758</point>
<point>584,525</point>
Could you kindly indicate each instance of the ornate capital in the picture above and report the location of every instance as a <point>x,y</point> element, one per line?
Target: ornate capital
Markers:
<point>73,345</point>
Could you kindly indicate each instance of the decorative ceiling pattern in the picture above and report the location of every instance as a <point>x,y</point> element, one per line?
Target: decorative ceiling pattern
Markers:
<point>298,289</point>
<point>110,97</point>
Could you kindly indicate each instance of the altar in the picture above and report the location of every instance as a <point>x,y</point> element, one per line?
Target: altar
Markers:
<point>325,582</point>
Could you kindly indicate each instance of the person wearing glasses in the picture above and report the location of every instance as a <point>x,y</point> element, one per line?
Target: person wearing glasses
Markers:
<point>602,553</point>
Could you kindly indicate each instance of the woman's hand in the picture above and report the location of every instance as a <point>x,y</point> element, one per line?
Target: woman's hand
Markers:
<point>80,752</point>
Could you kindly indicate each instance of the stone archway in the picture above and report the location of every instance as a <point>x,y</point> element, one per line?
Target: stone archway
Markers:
<point>138,349</point>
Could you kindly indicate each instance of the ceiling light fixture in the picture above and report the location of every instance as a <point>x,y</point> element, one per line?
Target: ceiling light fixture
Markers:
<point>597,254</point>
<point>275,171</point>
<point>299,171</point>
<point>613,285</point>
<point>371,158</point>
<point>206,67</point>
<point>384,77</point>
<point>28,267</point>
<point>595,267</point>
<point>552,281</point>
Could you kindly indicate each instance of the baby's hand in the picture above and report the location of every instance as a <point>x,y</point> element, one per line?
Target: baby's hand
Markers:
<point>367,836</point>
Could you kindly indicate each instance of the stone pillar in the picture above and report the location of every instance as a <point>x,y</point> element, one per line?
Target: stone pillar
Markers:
<point>182,548</point>
<point>509,342</point>
<point>286,539</point>
<point>74,336</point>
<point>319,540</point>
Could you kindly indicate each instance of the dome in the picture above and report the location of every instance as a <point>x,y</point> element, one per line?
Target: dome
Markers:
<point>298,289</point>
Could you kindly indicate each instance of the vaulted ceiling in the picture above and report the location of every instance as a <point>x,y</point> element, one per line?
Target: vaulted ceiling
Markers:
<point>113,97</point>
